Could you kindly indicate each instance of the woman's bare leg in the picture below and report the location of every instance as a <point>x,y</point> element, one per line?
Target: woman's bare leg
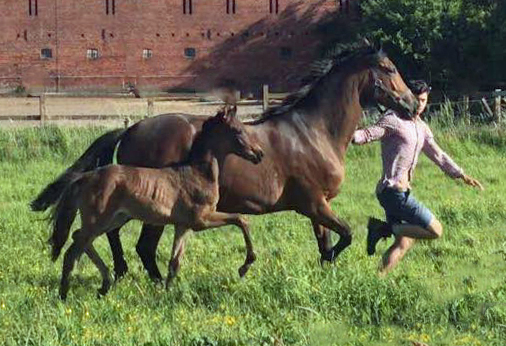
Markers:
<point>405,237</point>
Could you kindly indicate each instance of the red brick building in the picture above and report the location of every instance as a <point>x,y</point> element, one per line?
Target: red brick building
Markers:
<point>93,45</point>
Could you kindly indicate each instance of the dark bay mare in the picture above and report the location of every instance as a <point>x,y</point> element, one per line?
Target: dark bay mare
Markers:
<point>304,142</point>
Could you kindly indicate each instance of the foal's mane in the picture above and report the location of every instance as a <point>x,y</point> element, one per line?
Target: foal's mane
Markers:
<point>336,59</point>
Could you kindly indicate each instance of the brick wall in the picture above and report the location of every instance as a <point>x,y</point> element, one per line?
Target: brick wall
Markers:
<point>252,46</point>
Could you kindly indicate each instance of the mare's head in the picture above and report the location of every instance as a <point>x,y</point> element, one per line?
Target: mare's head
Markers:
<point>227,135</point>
<point>384,83</point>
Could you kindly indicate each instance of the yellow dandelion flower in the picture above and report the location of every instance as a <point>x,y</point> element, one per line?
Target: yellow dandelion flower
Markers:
<point>230,320</point>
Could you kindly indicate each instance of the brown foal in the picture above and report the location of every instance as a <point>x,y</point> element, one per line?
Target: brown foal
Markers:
<point>184,194</point>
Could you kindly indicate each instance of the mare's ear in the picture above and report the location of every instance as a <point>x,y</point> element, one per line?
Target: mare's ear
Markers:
<point>366,42</point>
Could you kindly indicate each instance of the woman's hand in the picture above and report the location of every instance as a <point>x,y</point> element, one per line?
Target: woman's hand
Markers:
<point>472,182</point>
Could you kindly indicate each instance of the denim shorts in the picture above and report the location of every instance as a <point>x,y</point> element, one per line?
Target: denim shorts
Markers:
<point>401,206</point>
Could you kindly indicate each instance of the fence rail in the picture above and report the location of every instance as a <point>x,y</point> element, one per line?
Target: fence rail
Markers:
<point>51,107</point>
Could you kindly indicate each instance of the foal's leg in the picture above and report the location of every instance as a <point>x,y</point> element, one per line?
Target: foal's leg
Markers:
<point>177,254</point>
<point>71,255</point>
<point>217,219</point>
<point>104,271</point>
<point>146,249</point>
<point>324,216</point>
<point>120,265</point>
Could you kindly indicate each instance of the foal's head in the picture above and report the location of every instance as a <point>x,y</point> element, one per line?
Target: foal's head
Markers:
<point>225,134</point>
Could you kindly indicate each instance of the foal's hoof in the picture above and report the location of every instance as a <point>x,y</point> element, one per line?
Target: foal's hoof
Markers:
<point>63,295</point>
<point>168,283</point>
<point>243,270</point>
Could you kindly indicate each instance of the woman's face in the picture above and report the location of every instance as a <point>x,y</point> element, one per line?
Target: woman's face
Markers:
<point>422,103</point>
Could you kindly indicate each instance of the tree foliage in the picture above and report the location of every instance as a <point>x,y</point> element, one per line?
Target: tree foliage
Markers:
<point>457,44</point>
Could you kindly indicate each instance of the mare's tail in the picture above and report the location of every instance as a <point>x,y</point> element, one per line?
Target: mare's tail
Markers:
<point>64,212</point>
<point>99,153</point>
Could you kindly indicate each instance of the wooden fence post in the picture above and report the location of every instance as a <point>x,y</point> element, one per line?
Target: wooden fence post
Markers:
<point>151,107</point>
<point>466,110</point>
<point>265,97</point>
<point>42,109</point>
<point>497,105</point>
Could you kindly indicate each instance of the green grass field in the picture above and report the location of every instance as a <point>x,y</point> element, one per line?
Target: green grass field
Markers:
<point>451,291</point>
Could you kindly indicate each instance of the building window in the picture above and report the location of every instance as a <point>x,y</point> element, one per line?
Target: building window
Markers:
<point>147,53</point>
<point>46,53</point>
<point>285,53</point>
<point>190,53</point>
<point>92,54</point>
<point>110,7</point>
<point>231,6</point>
<point>33,8</point>
<point>274,6</point>
<point>187,7</point>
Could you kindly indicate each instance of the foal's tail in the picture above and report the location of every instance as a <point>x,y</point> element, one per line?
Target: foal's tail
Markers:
<point>99,153</point>
<point>64,212</point>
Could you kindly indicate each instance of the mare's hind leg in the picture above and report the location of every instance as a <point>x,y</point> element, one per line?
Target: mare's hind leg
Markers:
<point>146,249</point>
<point>323,236</point>
<point>104,271</point>
<point>120,265</point>
<point>217,219</point>
<point>177,253</point>
<point>323,215</point>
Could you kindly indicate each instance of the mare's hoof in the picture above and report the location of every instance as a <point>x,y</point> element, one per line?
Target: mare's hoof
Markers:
<point>119,273</point>
<point>102,292</point>
<point>63,295</point>
<point>328,256</point>
<point>156,278</point>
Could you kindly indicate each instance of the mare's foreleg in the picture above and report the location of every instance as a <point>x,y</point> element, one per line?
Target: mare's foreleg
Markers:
<point>323,215</point>
<point>177,253</point>
<point>218,219</point>
<point>146,249</point>
<point>323,236</point>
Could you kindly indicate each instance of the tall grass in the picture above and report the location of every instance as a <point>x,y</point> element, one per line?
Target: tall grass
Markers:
<point>451,291</point>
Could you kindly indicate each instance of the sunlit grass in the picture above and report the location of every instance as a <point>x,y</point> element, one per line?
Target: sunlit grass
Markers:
<point>446,292</point>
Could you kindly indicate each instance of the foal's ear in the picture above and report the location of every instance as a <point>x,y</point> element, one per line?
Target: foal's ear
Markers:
<point>231,111</point>
<point>221,113</point>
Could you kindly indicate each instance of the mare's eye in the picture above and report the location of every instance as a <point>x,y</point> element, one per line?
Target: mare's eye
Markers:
<point>389,69</point>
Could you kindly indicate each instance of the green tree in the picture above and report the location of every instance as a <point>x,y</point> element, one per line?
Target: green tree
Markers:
<point>458,44</point>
